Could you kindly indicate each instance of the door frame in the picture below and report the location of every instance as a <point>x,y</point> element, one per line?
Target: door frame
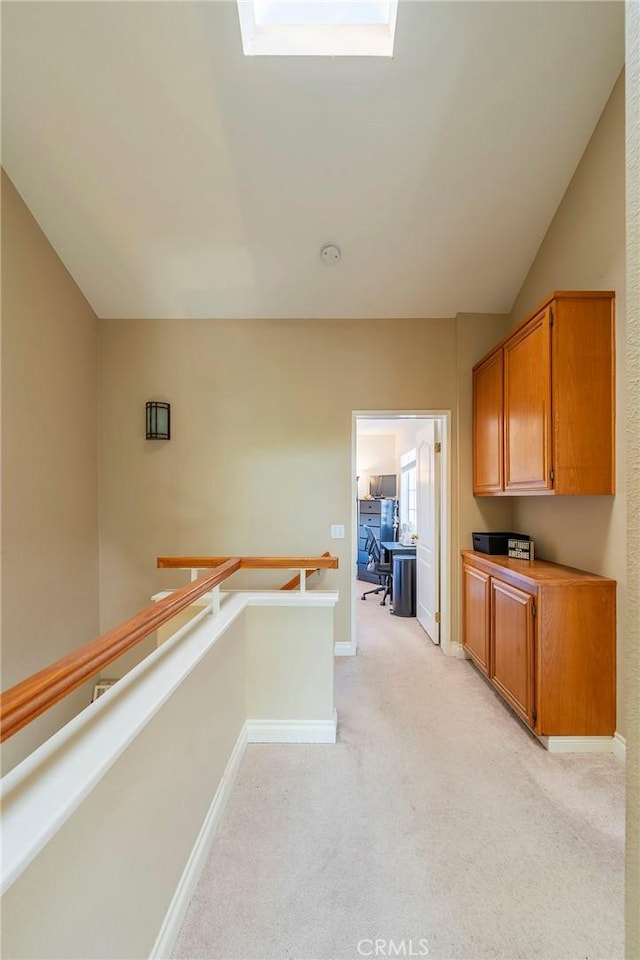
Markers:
<point>444,418</point>
<point>431,431</point>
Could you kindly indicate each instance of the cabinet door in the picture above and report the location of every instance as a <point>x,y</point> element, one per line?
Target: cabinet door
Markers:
<point>527,407</point>
<point>475,615</point>
<point>583,390</point>
<point>488,472</point>
<point>511,655</point>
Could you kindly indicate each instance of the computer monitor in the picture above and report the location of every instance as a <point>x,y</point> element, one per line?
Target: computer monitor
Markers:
<point>382,485</point>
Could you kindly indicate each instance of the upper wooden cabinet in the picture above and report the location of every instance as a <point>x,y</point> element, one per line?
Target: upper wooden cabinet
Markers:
<point>544,402</point>
<point>488,474</point>
<point>527,406</point>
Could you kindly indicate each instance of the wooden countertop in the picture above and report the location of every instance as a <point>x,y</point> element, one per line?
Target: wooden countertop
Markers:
<point>534,573</point>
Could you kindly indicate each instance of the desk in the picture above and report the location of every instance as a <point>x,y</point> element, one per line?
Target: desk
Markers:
<point>395,549</point>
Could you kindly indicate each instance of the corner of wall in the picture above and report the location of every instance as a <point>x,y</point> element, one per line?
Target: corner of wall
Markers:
<point>49,458</point>
<point>632,607</point>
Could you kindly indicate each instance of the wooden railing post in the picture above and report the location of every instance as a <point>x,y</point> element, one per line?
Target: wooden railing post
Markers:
<point>297,580</point>
<point>215,601</point>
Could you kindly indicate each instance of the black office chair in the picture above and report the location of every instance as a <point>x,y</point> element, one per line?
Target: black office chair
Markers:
<point>383,570</point>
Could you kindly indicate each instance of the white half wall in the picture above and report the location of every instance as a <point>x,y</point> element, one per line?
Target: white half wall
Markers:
<point>101,822</point>
<point>281,644</point>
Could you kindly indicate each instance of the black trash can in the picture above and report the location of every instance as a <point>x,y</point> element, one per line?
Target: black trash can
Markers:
<point>404,586</point>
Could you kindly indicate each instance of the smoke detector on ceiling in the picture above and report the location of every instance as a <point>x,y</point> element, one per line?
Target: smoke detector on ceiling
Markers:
<point>330,254</point>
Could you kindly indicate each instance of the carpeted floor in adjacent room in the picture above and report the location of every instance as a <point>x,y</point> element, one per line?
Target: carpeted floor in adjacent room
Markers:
<point>436,817</point>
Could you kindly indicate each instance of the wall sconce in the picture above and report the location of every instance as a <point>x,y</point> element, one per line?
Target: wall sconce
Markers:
<point>158,420</point>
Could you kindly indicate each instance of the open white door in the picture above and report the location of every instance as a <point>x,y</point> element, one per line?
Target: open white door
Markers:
<point>428,524</point>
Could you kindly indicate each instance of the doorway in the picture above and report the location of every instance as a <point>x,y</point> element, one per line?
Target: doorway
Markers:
<point>405,456</point>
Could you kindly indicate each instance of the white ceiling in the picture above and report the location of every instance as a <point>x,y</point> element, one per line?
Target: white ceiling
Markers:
<point>177,178</point>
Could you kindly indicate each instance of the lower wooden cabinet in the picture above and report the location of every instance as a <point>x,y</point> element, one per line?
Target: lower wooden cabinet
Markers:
<point>544,635</point>
<point>512,646</point>
<point>475,614</point>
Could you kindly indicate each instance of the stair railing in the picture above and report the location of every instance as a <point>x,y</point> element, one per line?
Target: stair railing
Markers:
<point>30,698</point>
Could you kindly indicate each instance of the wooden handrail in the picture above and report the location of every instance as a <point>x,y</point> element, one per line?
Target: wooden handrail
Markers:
<point>28,699</point>
<point>294,583</point>
<point>325,562</point>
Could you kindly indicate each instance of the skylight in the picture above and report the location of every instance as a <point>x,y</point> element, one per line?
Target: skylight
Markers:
<point>318,28</point>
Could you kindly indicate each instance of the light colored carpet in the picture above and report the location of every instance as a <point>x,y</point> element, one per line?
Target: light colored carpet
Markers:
<point>435,817</point>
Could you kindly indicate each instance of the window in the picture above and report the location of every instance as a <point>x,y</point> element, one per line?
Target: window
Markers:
<point>318,28</point>
<point>408,490</point>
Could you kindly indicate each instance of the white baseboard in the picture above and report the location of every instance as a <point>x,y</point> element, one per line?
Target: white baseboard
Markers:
<point>253,731</point>
<point>620,747</point>
<point>175,915</point>
<point>578,744</point>
<point>344,648</point>
<point>460,653</point>
<point>292,731</point>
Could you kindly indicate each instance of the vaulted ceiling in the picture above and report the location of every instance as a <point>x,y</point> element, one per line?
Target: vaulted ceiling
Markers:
<point>176,177</point>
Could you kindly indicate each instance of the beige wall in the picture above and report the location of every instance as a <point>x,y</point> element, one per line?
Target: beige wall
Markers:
<point>584,249</point>
<point>49,464</point>
<point>260,460</point>
<point>631,624</point>
<point>475,338</point>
